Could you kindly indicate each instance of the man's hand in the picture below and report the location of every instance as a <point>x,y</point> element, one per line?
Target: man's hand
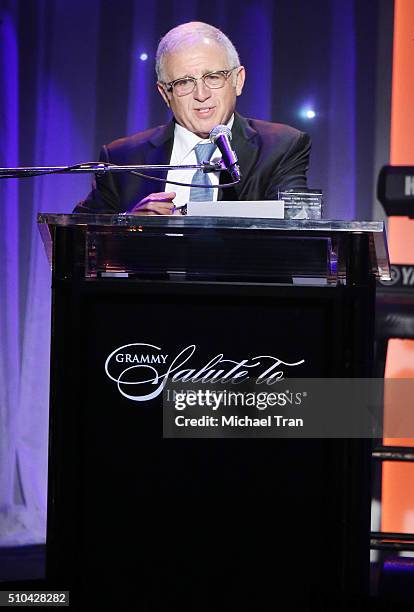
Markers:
<point>155,204</point>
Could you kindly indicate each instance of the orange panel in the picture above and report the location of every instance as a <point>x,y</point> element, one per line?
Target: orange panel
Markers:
<point>401,231</point>
<point>397,497</point>
<point>398,478</point>
<point>402,108</point>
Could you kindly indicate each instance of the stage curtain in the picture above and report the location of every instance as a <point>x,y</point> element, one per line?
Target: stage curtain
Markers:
<point>72,77</point>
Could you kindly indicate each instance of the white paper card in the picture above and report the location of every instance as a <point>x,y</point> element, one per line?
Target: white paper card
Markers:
<point>267,209</point>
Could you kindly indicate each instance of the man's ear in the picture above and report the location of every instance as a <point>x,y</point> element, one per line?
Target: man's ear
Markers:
<point>240,78</point>
<point>163,94</point>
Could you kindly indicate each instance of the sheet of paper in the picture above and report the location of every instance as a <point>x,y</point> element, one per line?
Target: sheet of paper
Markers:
<point>269,209</point>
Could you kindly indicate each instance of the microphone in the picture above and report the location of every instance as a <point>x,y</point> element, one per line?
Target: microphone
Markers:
<point>221,136</point>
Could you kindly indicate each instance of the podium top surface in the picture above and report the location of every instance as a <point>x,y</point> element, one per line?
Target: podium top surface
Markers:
<point>235,223</point>
<point>163,224</point>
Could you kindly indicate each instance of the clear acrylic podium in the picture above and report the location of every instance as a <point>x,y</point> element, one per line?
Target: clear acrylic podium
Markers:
<point>204,524</point>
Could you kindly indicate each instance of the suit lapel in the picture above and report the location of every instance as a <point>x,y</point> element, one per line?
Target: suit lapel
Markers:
<point>156,150</point>
<point>160,149</point>
<point>245,144</point>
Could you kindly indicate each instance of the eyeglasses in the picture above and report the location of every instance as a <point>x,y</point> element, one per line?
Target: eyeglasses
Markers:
<point>186,85</point>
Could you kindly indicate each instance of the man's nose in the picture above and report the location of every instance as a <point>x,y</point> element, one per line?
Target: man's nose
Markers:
<point>201,92</point>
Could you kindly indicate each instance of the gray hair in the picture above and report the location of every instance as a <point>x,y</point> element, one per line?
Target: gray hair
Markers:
<point>188,34</point>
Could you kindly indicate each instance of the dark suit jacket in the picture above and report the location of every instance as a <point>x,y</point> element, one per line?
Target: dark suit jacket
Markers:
<point>271,156</point>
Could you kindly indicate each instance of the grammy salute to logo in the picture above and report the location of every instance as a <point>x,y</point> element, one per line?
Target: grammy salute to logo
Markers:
<point>141,370</point>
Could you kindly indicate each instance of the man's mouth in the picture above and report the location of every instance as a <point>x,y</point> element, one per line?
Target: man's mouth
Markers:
<point>204,111</point>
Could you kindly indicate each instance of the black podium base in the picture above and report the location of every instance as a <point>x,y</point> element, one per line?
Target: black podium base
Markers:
<point>201,524</point>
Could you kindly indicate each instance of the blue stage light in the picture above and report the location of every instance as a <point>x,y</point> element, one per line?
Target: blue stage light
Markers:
<point>143,57</point>
<point>307,113</point>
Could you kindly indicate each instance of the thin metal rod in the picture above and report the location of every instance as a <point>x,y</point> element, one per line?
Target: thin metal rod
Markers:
<point>387,540</point>
<point>390,535</point>
<point>102,168</point>
<point>393,453</point>
<point>374,545</point>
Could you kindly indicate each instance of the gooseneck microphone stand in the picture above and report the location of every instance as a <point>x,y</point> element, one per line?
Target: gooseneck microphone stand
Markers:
<point>101,168</point>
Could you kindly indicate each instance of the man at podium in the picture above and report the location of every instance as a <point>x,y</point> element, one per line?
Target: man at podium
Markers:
<point>199,77</point>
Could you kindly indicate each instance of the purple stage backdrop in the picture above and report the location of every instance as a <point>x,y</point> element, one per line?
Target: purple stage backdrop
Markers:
<point>73,75</point>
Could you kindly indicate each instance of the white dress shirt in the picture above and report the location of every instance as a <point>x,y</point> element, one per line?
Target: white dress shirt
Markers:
<point>183,153</point>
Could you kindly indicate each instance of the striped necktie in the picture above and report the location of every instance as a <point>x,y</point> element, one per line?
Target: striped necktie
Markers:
<point>198,193</point>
